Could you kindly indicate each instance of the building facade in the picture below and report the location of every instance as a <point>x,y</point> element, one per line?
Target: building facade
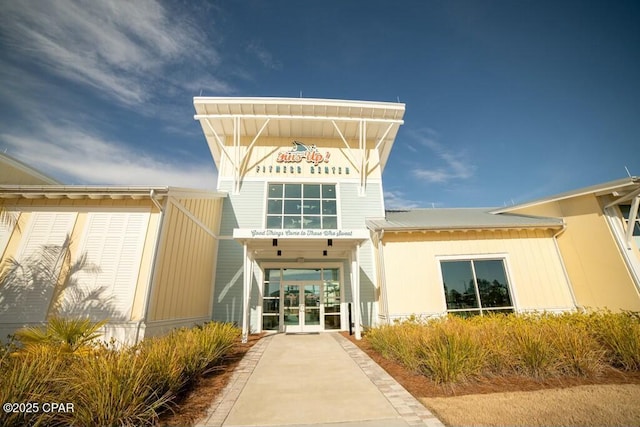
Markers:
<point>296,237</point>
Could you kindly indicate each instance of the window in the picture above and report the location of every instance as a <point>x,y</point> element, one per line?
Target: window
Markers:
<point>271,300</point>
<point>474,287</point>
<point>302,206</point>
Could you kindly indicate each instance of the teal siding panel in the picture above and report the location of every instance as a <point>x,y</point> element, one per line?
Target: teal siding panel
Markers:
<point>227,303</point>
<point>355,208</point>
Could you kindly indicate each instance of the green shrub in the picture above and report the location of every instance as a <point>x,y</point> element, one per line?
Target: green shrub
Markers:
<point>108,385</point>
<point>450,352</point>
<point>29,377</point>
<point>539,345</point>
<point>114,388</point>
<point>619,333</point>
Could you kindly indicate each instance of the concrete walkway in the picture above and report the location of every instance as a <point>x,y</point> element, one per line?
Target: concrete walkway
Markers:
<point>319,380</point>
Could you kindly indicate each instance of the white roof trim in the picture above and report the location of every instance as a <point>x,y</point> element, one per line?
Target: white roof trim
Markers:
<point>604,188</point>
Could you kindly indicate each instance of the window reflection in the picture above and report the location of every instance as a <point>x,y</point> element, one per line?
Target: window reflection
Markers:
<point>465,281</point>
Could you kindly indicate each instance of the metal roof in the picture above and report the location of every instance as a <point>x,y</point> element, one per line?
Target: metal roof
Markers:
<point>619,185</point>
<point>96,192</point>
<point>457,219</point>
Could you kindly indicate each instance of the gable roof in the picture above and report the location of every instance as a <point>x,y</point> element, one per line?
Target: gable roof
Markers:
<point>619,185</point>
<point>457,219</point>
<point>16,172</point>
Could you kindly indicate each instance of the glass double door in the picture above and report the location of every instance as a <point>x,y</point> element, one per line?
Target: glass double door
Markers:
<point>302,306</point>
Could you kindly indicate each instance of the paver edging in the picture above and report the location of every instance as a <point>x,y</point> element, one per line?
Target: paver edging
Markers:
<point>407,406</point>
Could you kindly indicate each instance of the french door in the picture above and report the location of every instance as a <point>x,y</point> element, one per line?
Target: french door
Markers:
<point>301,306</point>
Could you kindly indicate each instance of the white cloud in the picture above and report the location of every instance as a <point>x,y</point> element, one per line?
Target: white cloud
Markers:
<point>264,56</point>
<point>398,200</point>
<point>455,165</point>
<point>86,158</point>
<point>124,49</point>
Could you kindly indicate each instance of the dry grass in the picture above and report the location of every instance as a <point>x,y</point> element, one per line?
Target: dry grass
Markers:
<point>588,405</point>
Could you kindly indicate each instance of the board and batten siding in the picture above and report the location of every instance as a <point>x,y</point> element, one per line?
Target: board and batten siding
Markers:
<point>534,269</point>
<point>185,264</point>
<point>596,268</point>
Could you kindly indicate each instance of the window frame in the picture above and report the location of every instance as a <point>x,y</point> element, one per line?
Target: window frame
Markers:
<point>302,199</point>
<point>479,257</point>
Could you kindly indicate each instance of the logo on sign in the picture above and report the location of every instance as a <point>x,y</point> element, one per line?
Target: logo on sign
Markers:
<point>301,152</point>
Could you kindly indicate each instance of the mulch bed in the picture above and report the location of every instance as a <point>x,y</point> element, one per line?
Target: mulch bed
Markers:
<point>420,386</point>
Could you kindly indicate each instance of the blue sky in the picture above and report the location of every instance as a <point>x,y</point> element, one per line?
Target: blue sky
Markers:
<point>506,101</point>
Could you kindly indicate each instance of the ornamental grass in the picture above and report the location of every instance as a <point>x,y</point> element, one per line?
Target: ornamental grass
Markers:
<point>108,385</point>
<point>452,349</point>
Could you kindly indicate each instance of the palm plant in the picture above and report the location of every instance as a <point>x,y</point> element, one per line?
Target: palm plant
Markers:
<point>64,334</point>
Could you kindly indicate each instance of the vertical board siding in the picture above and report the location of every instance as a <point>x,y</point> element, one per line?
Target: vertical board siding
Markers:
<point>26,296</point>
<point>535,271</point>
<point>113,244</point>
<point>186,263</point>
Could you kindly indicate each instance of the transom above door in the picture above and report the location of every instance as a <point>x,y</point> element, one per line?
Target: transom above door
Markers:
<point>301,300</point>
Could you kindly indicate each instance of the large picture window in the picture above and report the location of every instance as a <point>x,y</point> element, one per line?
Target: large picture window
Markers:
<point>302,206</point>
<point>476,286</point>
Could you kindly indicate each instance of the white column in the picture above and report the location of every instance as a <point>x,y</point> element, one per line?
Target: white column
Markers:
<point>246,294</point>
<point>355,290</point>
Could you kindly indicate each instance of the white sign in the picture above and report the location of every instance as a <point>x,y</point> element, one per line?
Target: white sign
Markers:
<point>268,233</point>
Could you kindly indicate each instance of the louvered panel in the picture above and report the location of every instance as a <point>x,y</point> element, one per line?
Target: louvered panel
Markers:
<point>5,232</point>
<point>27,296</point>
<point>113,242</point>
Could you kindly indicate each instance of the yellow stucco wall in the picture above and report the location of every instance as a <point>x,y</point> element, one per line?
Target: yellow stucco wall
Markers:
<point>413,278</point>
<point>82,207</point>
<point>597,271</point>
<point>185,268</point>
<point>262,159</point>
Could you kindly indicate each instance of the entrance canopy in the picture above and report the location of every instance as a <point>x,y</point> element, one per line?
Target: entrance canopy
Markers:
<point>232,126</point>
<point>300,244</point>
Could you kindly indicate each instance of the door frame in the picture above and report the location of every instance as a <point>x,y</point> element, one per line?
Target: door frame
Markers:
<point>302,326</point>
<point>324,265</point>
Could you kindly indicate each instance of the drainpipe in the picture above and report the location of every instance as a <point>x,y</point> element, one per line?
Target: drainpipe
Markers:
<point>159,232</point>
<point>564,270</point>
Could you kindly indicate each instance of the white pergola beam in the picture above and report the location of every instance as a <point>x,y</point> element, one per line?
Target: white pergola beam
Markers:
<point>349,151</point>
<point>219,141</point>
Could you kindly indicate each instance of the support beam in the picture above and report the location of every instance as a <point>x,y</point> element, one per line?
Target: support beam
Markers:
<point>192,217</point>
<point>219,141</point>
<point>624,198</point>
<point>363,156</point>
<point>243,163</point>
<point>633,215</point>
<point>236,146</point>
<point>352,158</point>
